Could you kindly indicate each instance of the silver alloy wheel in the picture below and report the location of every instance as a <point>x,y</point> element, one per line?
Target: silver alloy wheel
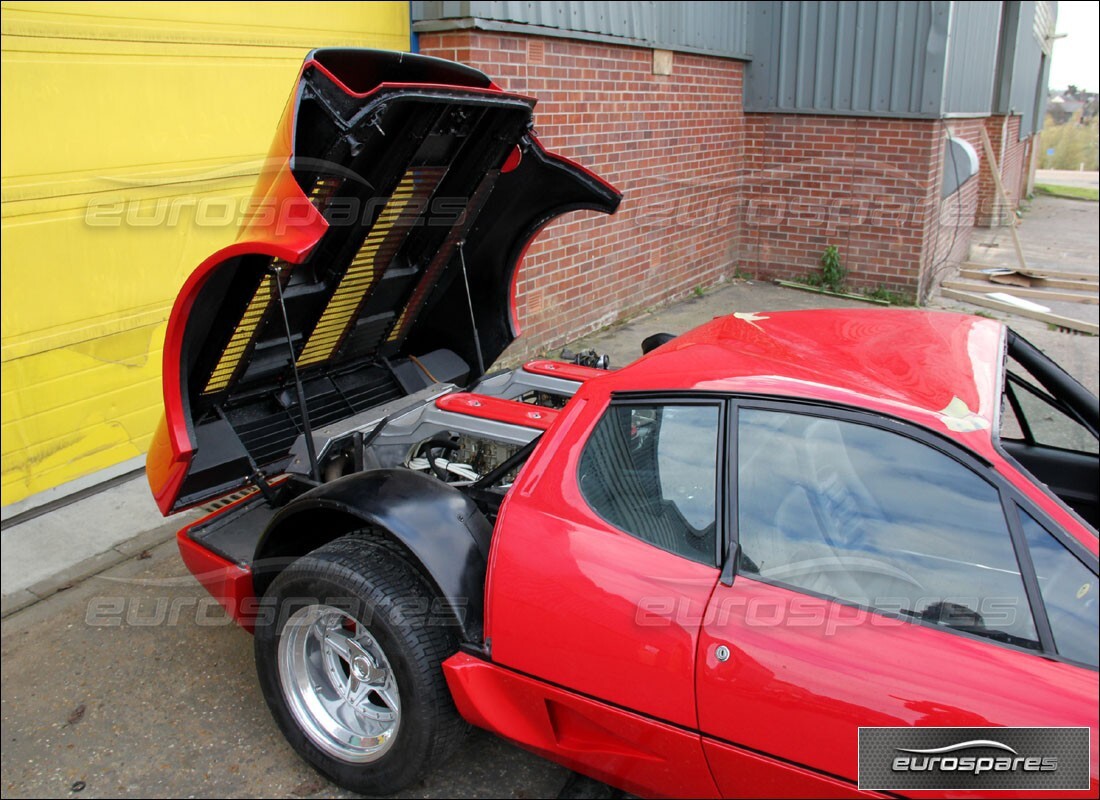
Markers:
<point>338,684</point>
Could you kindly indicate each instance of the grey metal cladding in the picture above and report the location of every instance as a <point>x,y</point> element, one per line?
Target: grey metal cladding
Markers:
<point>872,58</point>
<point>972,57</point>
<point>893,58</point>
<point>437,9</point>
<point>718,28</point>
<point>1022,81</point>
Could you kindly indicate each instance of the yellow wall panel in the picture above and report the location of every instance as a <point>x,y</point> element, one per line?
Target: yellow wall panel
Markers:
<point>132,134</point>
<point>118,256</point>
<point>96,418</point>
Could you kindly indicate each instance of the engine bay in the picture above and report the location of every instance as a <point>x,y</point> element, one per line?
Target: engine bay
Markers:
<point>475,440</point>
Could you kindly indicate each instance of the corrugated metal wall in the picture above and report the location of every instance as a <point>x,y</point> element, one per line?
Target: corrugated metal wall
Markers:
<point>704,27</point>
<point>1025,53</point>
<point>880,59</point>
<point>852,57</point>
<point>132,132</point>
<point>972,57</point>
<point>890,58</point>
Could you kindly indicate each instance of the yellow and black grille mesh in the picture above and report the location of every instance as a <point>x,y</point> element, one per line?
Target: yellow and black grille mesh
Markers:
<point>243,334</point>
<point>412,308</point>
<point>323,190</point>
<point>431,274</point>
<point>379,248</point>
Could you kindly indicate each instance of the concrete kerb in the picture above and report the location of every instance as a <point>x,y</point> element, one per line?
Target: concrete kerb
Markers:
<point>69,575</point>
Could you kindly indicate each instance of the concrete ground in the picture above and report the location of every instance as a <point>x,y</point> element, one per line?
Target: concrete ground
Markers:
<point>1055,233</point>
<point>121,677</point>
<point>52,551</point>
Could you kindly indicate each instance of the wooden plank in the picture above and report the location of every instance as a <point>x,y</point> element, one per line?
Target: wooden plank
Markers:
<point>817,290</point>
<point>1039,283</point>
<point>1040,272</point>
<point>1020,291</point>
<point>1042,316</point>
<point>995,168</point>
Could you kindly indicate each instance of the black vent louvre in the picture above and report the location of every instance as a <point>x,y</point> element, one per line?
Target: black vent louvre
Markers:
<point>269,436</point>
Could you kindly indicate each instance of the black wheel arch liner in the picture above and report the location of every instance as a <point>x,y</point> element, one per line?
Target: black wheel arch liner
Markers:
<point>444,534</point>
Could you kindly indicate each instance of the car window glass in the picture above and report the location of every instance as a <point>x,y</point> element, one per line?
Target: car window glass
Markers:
<point>650,470</point>
<point>1069,593</point>
<point>1030,414</point>
<point>875,518</point>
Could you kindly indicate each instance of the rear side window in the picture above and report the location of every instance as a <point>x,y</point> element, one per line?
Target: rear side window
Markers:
<point>872,517</point>
<point>1031,414</point>
<point>651,471</point>
<point>1069,593</point>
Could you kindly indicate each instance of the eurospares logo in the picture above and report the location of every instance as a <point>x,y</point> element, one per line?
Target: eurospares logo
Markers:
<point>974,758</point>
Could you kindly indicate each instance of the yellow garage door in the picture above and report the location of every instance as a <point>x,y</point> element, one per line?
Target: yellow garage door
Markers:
<point>132,133</point>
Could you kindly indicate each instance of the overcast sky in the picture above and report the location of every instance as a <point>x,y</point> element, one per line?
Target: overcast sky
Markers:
<point>1076,58</point>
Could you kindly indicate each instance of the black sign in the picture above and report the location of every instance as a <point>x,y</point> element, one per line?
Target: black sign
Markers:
<point>974,758</point>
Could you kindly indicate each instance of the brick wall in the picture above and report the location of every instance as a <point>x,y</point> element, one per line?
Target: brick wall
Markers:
<point>861,184</point>
<point>710,190</point>
<point>952,234</point>
<point>1004,135</point>
<point>672,144</point>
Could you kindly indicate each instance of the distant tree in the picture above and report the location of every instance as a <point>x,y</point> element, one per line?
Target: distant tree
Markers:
<point>1073,145</point>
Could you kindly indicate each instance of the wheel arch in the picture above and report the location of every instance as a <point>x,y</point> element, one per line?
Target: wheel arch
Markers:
<point>433,526</point>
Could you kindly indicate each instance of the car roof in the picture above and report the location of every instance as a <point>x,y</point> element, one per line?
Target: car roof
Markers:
<point>937,368</point>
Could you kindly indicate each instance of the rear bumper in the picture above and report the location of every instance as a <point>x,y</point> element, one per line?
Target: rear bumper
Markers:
<point>227,582</point>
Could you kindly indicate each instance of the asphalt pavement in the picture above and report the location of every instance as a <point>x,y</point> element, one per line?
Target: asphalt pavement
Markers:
<point>122,677</point>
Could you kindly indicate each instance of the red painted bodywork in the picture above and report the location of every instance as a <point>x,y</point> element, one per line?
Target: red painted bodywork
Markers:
<point>564,370</point>
<point>603,647</point>
<point>909,364</point>
<point>282,223</point>
<point>566,592</point>
<point>512,412</point>
<point>609,743</point>
<point>806,673</point>
<point>227,582</point>
<point>571,601</point>
<point>742,773</point>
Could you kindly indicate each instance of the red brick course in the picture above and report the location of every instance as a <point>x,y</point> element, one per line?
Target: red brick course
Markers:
<point>710,190</point>
<point>1004,135</point>
<point>950,237</point>
<point>672,144</point>
<point>863,185</point>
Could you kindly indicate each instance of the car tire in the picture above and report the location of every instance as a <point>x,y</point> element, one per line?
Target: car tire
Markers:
<point>349,657</point>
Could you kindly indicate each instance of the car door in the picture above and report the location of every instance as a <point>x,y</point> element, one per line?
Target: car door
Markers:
<point>881,580</point>
<point>603,560</point>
